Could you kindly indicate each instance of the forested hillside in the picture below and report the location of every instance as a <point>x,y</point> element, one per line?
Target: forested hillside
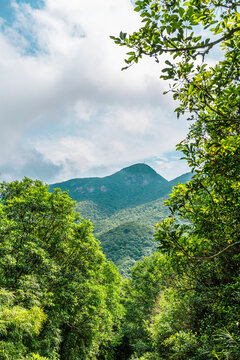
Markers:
<point>110,204</point>
<point>126,236</point>
<point>148,212</point>
<point>127,243</point>
<point>130,187</point>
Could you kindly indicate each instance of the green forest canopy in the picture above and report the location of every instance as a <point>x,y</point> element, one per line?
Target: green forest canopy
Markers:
<point>59,297</point>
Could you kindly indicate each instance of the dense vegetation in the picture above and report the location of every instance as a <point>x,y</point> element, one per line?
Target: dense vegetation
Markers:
<point>126,244</point>
<point>148,213</point>
<point>126,236</point>
<point>124,229</point>
<point>59,298</point>
<point>195,312</point>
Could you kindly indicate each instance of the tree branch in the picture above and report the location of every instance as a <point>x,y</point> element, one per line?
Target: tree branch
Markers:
<point>206,258</point>
<point>196,47</point>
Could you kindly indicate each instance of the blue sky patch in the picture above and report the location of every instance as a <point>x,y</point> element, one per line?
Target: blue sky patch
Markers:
<point>8,14</point>
<point>7,11</point>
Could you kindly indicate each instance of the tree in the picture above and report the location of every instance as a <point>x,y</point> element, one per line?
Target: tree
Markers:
<point>149,277</point>
<point>211,95</point>
<point>53,265</point>
<point>17,323</point>
<point>205,246</point>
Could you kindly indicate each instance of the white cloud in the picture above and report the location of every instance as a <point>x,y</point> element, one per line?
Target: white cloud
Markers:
<point>169,165</point>
<point>64,97</point>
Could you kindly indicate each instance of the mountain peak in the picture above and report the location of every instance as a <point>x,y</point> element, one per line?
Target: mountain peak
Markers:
<point>139,168</point>
<point>130,186</point>
<point>142,173</point>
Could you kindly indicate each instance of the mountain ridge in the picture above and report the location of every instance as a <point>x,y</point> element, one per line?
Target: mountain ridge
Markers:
<point>129,187</point>
<point>123,207</point>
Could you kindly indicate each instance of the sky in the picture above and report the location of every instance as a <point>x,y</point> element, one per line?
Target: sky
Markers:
<point>66,108</point>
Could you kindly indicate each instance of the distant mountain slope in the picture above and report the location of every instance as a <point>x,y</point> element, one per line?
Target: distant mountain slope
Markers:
<point>182,179</point>
<point>128,187</point>
<point>127,235</point>
<point>124,207</point>
<point>127,243</point>
<point>91,211</point>
<point>148,214</point>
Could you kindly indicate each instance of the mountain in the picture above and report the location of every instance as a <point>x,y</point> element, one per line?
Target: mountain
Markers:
<point>149,214</point>
<point>182,179</point>
<point>123,207</point>
<point>127,235</point>
<point>129,187</point>
<point>128,243</point>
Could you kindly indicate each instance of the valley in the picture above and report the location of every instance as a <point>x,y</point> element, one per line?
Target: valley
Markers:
<point>124,208</point>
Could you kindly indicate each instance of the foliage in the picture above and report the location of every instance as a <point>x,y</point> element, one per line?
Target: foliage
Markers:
<point>126,244</point>
<point>17,323</point>
<point>198,317</point>
<point>126,235</point>
<point>149,278</point>
<point>172,27</point>
<point>66,296</point>
<point>146,214</point>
